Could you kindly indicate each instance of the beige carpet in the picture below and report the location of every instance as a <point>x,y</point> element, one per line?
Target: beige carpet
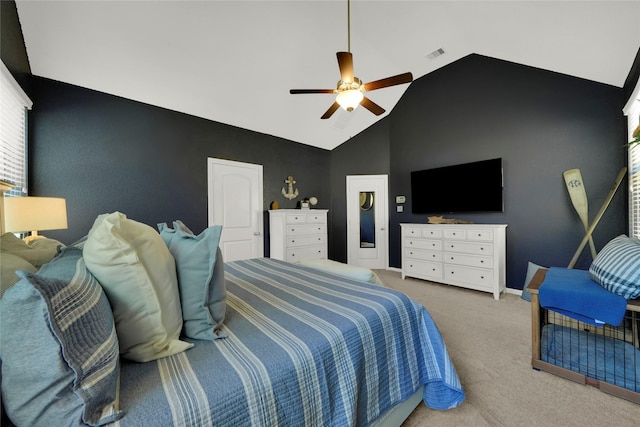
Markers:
<point>489,342</point>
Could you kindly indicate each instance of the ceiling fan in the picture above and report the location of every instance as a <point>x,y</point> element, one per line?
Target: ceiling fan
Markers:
<point>350,89</point>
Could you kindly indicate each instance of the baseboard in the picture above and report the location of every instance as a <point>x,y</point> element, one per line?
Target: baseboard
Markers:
<point>506,291</point>
<point>513,291</point>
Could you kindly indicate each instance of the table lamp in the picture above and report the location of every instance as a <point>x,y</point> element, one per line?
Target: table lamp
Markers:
<point>33,214</point>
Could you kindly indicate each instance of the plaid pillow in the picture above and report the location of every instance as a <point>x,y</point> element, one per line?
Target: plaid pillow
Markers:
<point>617,267</point>
<point>59,347</point>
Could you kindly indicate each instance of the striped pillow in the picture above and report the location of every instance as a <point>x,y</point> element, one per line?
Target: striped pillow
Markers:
<point>59,348</point>
<point>617,267</point>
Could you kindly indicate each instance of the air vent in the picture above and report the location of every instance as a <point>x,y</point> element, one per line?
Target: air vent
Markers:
<point>435,53</point>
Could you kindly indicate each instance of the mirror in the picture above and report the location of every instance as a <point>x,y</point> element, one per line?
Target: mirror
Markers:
<point>367,220</point>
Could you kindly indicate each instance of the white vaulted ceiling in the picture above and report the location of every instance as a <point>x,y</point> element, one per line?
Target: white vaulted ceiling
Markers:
<point>234,61</point>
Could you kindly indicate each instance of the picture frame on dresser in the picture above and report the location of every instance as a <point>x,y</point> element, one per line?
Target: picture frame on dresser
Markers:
<point>471,256</point>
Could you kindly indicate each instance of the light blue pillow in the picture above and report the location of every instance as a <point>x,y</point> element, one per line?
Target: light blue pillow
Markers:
<point>201,282</point>
<point>59,349</point>
<point>617,267</point>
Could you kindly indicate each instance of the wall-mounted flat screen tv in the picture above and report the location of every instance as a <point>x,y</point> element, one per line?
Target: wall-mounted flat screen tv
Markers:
<point>468,187</point>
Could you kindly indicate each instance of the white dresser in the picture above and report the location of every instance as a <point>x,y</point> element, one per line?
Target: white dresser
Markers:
<point>296,234</point>
<point>467,255</point>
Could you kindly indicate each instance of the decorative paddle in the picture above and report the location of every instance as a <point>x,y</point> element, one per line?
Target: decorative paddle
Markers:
<point>578,194</point>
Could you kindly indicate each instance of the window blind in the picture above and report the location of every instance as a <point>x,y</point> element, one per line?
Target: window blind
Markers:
<point>13,124</point>
<point>632,111</point>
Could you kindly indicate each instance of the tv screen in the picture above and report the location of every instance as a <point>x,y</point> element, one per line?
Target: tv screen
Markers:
<point>468,187</point>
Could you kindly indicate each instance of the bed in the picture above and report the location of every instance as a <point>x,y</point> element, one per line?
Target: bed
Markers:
<point>298,346</point>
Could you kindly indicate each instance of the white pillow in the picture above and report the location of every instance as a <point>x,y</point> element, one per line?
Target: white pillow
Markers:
<point>138,274</point>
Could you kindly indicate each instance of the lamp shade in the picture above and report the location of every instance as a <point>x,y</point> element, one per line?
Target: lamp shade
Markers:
<point>23,214</point>
<point>349,99</point>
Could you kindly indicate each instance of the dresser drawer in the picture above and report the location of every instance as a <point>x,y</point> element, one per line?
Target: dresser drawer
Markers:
<point>431,233</point>
<point>422,268</point>
<point>455,234</point>
<point>411,232</point>
<point>469,260</point>
<point>295,230</point>
<point>304,240</point>
<point>468,247</point>
<point>435,245</point>
<point>316,218</point>
<point>480,235</point>
<point>296,218</point>
<point>421,254</point>
<point>478,277</point>
<point>296,254</point>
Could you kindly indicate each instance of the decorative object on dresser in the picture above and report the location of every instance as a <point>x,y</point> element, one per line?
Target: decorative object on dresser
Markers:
<point>471,256</point>
<point>442,220</point>
<point>297,234</point>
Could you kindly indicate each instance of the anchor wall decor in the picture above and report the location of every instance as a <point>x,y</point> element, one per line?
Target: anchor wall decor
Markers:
<point>290,193</point>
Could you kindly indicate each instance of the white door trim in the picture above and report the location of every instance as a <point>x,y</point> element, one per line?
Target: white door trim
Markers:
<point>355,184</point>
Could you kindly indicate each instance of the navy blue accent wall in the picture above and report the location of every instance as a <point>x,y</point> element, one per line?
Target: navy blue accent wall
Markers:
<point>105,153</point>
<point>541,124</point>
<point>365,154</point>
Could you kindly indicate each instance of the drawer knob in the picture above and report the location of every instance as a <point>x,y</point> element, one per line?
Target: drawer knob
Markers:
<point>293,241</point>
<point>482,277</point>
<point>433,269</point>
<point>481,261</point>
<point>482,249</point>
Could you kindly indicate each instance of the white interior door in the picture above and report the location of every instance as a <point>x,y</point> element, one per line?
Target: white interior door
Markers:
<point>367,220</point>
<point>235,202</point>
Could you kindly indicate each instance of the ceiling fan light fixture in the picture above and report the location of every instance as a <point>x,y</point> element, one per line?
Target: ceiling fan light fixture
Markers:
<point>349,99</point>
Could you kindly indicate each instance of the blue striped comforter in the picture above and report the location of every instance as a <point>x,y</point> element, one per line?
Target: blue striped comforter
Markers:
<point>303,347</point>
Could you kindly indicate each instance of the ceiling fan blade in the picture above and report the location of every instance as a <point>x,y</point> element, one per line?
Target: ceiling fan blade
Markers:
<point>299,91</point>
<point>330,111</point>
<point>371,106</point>
<point>389,81</point>
<point>345,62</point>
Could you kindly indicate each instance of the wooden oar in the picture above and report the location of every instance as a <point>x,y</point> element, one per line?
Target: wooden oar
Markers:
<point>596,220</point>
<point>575,186</point>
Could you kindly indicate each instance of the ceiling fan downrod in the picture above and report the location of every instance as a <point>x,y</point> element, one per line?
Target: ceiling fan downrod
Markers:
<point>348,25</point>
